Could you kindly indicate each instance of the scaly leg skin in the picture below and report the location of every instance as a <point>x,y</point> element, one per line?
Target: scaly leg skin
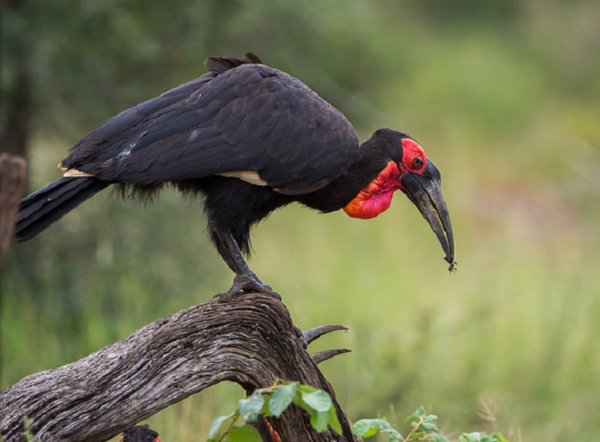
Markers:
<point>245,279</point>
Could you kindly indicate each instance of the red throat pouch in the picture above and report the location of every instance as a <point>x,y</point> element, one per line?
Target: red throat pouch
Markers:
<point>376,197</point>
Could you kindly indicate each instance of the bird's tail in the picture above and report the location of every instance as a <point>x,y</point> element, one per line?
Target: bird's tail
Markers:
<point>46,206</point>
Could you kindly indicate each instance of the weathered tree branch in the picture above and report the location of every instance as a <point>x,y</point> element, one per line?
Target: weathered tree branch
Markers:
<point>13,171</point>
<point>250,341</point>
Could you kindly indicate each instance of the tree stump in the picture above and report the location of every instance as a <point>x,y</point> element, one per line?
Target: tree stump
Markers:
<point>13,171</point>
<point>250,341</point>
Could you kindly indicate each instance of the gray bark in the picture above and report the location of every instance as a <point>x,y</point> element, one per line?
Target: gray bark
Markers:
<point>250,341</point>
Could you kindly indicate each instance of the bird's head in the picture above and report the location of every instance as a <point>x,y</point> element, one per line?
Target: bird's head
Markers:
<point>141,433</point>
<point>403,165</point>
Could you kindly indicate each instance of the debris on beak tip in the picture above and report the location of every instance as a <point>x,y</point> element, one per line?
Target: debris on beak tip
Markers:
<point>452,269</point>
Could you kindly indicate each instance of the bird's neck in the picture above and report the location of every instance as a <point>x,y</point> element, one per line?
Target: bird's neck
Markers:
<point>365,190</point>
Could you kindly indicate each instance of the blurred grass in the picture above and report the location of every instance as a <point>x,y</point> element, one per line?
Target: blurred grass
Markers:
<point>509,113</point>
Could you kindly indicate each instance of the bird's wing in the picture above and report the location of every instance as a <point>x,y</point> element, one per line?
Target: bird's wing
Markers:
<point>241,118</point>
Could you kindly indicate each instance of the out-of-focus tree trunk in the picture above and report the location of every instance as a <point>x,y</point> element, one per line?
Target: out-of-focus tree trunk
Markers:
<point>15,106</point>
<point>13,171</point>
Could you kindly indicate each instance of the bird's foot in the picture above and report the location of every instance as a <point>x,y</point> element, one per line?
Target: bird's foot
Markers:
<point>246,284</point>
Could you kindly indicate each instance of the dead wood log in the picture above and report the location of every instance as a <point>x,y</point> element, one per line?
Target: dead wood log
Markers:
<point>250,341</point>
<point>12,181</point>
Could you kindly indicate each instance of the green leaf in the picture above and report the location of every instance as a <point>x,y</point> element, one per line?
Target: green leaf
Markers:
<point>494,437</point>
<point>28,422</point>
<point>436,438</point>
<point>300,402</point>
<point>317,400</point>
<point>394,437</point>
<point>363,429</point>
<point>216,424</point>
<point>369,427</point>
<point>319,421</point>
<point>411,419</point>
<point>265,408</point>
<point>470,437</point>
<point>421,412</point>
<point>371,432</point>
<point>334,423</point>
<point>246,433</point>
<point>282,398</point>
<point>500,437</point>
<point>300,390</point>
<point>250,408</point>
<point>306,388</point>
<point>429,426</point>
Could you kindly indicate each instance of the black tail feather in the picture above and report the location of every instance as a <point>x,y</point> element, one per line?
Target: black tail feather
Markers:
<point>46,206</point>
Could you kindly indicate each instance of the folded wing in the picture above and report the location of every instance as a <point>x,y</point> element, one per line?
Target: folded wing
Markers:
<point>241,116</point>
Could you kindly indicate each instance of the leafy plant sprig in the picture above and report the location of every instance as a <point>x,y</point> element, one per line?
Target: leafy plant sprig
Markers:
<point>423,428</point>
<point>273,401</point>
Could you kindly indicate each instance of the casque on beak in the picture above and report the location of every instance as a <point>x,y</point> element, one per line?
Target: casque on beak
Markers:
<point>425,192</point>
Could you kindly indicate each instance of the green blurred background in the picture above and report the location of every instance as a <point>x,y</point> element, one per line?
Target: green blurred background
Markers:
<point>504,96</point>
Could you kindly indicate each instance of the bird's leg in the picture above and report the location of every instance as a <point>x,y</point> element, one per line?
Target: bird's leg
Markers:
<point>245,279</point>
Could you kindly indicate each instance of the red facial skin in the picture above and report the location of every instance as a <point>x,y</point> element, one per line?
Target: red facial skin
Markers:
<point>376,197</point>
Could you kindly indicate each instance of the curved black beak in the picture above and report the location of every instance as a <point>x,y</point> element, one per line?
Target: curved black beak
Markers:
<point>425,192</point>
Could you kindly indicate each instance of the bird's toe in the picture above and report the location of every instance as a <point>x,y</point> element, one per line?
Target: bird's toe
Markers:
<point>247,284</point>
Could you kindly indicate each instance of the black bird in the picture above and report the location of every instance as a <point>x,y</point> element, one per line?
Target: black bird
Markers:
<point>250,139</point>
<point>140,433</point>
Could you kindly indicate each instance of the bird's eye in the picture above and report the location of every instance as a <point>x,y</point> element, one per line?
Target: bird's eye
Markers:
<point>417,163</point>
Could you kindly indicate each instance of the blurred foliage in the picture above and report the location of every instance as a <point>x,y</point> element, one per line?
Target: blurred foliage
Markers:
<point>272,402</point>
<point>503,95</point>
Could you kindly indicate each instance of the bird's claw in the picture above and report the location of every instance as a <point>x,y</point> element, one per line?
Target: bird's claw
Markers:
<point>247,284</point>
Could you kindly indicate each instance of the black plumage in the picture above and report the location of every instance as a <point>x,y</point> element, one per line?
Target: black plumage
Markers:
<point>140,433</point>
<point>249,138</point>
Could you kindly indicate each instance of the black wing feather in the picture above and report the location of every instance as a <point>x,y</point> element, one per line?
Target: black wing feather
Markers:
<point>242,115</point>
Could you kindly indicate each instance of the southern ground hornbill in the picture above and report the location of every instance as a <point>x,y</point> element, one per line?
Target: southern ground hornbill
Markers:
<point>141,433</point>
<point>250,139</point>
